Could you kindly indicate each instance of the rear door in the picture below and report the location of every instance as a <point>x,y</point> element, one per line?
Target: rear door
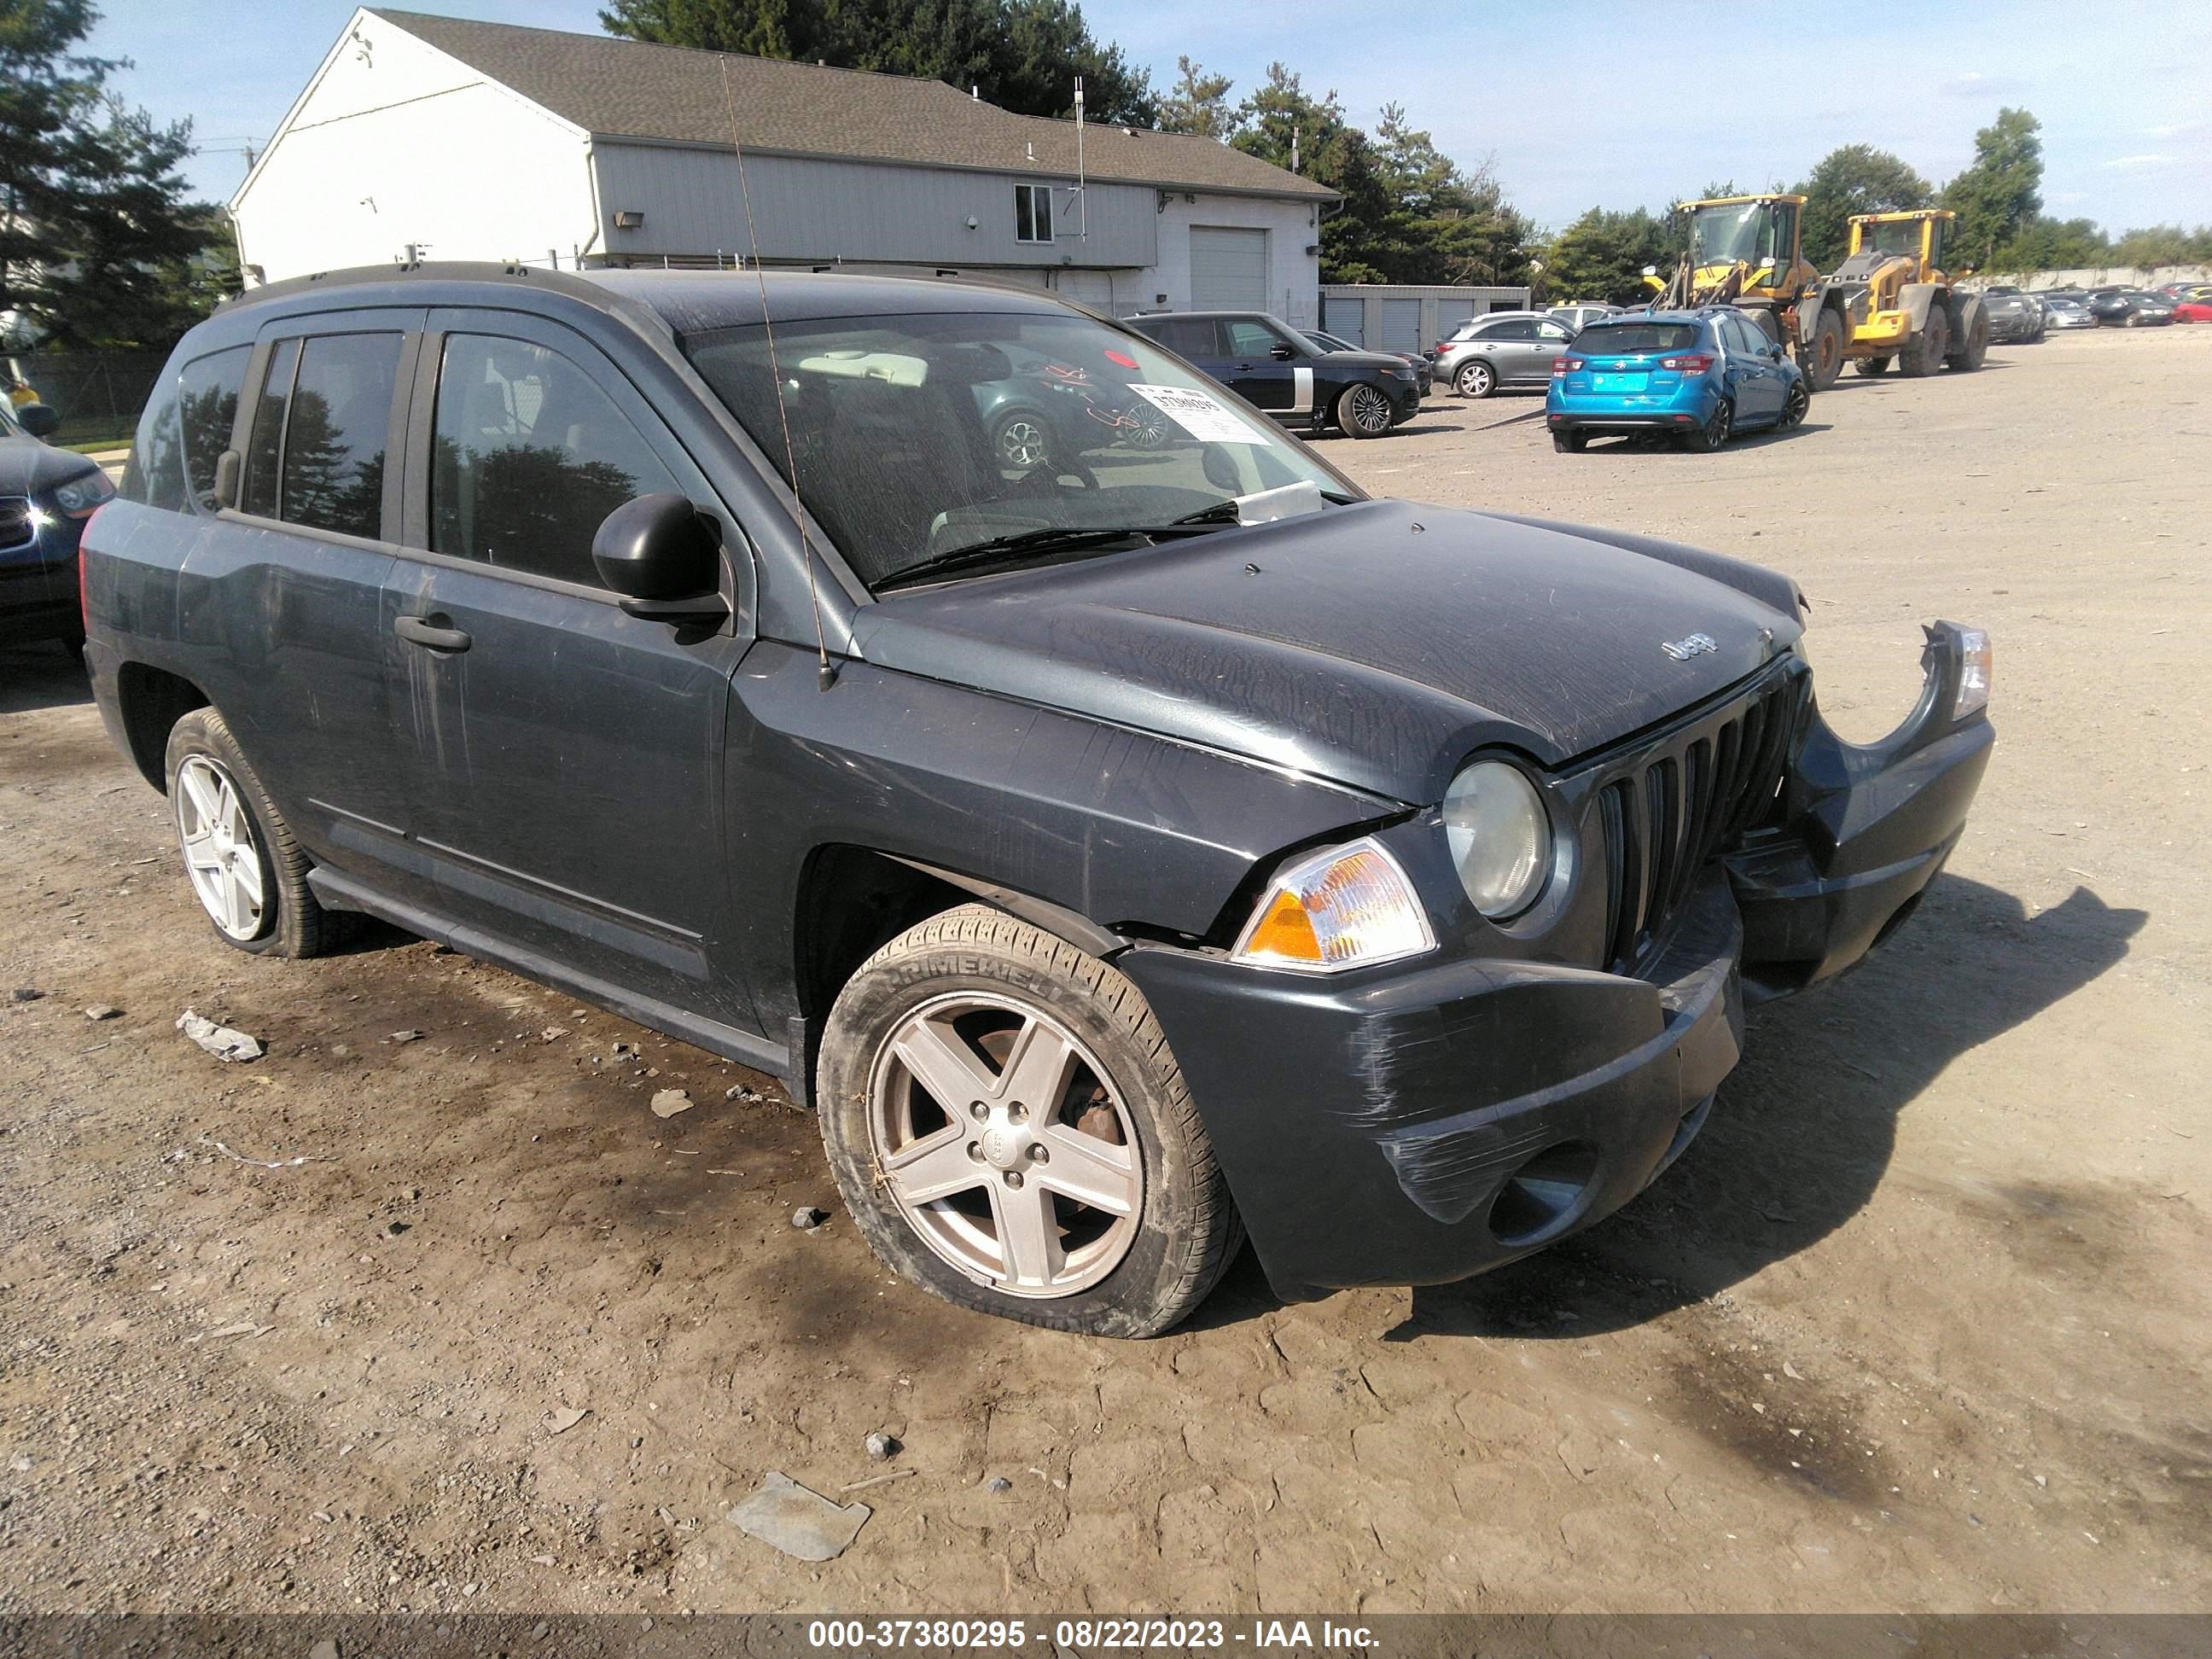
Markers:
<point>568,756</point>
<point>282,595</point>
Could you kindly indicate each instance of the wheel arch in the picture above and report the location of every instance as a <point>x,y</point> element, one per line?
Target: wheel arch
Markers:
<point>149,702</point>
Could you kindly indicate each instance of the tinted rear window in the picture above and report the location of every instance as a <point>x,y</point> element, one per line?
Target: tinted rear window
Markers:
<point>1622,339</point>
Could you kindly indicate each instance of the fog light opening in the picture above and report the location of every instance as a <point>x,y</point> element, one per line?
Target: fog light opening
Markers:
<point>1542,1195</point>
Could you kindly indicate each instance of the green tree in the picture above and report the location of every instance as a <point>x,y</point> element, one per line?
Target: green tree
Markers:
<point>1198,103</point>
<point>98,242</point>
<point>1602,254</point>
<point>2163,245</point>
<point>1023,55</point>
<point>2002,193</point>
<point>1281,122</point>
<point>2050,244</point>
<point>1854,178</point>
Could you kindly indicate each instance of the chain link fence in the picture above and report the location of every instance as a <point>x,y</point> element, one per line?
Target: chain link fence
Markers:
<point>98,394</point>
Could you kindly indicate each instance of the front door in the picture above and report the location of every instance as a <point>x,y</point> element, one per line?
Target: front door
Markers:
<point>1552,339</point>
<point>1257,375</point>
<point>1756,378</point>
<point>569,757</point>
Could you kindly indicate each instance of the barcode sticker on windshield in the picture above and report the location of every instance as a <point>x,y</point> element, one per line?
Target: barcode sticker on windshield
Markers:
<point>1207,418</point>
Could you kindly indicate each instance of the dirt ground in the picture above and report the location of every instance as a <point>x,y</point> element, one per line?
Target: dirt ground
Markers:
<point>1922,1322</point>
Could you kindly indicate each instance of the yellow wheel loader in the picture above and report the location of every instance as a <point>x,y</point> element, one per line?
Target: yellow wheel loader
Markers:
<point>1745,250</point>
<point>1900,306</point>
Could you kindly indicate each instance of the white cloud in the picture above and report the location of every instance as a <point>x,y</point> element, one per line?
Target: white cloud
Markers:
<point>1975,84</point>
<point>2139,163</point>
<point>2173,130</point>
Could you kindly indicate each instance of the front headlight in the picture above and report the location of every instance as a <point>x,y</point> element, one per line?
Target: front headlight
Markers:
<point>1500,837</point>
<point>1976,657</point>
<point>1348,906</point>
<point>80,497</point>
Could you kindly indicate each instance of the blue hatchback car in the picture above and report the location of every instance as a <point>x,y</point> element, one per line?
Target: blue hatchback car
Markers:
<point>1701,375</point>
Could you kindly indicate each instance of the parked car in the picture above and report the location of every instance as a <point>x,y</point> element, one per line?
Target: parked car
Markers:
<point>1581,313</point>
<point>1118,864</point>
<point>2127,307</point>
<point>1505,348</point>
<point>2063,311</point>
<point>1276,369</point>
<point>1046,411</point>
<point>2015,317</point>
<point>1416,360</point>
<point>2194,308</point>
<point>46,494</point>
<point>1701,376</point>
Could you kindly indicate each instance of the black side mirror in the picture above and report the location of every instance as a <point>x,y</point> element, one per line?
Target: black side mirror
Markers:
<point>1775,352</point>
<point>660,554</point>
<point>1282,351</point>
<point>39,420</point>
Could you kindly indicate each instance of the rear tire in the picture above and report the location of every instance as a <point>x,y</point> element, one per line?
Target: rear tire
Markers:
<point>246,868</point>
<point>999,993</point>
<point>1475,380</point>
<point>1871,367</point>
<point>1823,357</point>
<point>1569,443</point>
<point>1714,434</point>
<point>1924,353</point>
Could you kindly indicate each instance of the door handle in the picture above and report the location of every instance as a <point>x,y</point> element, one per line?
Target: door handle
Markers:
<point>418,631</point>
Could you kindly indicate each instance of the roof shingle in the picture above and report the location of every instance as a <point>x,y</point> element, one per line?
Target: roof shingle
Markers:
<point>631,89</point>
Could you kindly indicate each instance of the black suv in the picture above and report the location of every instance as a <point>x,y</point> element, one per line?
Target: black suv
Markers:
<point>1273,366</point>
<point>1121,852</point>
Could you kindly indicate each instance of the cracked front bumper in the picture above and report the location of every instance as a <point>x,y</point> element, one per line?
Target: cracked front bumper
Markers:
<point>1436,1118</point>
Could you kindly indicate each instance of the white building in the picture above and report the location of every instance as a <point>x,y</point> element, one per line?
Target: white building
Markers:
<point>439,138</point>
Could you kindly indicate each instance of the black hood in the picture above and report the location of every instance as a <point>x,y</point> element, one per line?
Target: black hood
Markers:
<point>1360,360</point>
<point>1375,645</point>
<point>28,467</point>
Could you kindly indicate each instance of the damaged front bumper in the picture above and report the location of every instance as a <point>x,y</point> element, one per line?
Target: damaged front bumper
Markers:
<point>1433,1118</point>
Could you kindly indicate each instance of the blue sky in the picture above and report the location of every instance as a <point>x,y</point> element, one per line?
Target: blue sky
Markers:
<point>1580,105</point>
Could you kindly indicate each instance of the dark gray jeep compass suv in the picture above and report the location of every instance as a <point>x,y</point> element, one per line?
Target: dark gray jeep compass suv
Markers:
<point>1122,850</point>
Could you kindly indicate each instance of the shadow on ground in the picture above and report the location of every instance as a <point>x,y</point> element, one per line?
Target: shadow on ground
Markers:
<point>1803,1133</point>
<point>35,677</point>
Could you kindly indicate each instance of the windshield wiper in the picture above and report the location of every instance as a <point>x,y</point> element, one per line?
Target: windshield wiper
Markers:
<point>1056,538</point>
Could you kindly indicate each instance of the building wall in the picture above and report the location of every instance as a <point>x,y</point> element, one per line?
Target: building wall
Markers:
<point>2098,276</point>
<point>1293,274</point>
<point>395,144</point>
<point>808,209</point>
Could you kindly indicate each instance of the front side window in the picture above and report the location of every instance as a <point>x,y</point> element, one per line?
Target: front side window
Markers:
<point>530,454</point>
<point>1033,213</point>
<point>1250,339</point>
<point>1553,332</point>
<point>335,433</point>
<point>898,425</point>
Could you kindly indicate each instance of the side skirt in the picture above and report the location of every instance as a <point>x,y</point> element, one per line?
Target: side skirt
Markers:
<point>338,892</point>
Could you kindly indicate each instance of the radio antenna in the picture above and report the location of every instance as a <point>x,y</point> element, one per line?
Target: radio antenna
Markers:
<point>826,672</point>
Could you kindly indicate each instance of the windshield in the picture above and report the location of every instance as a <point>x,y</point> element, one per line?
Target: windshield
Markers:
<point>1626,339</point>
<point>918,435</point>
<point>1899,236</point>
<point>1725,235</point>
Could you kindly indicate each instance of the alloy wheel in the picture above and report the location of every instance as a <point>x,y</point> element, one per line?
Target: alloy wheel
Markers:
<point>221,854</point>
<point>1368,410</point>
<point>1022,443</point>
<point>1005,1144</point>
<point>1794,406</point>
<point>1474,380</point>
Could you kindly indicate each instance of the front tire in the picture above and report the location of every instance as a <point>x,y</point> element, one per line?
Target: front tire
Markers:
<point>1364,412</point>
<point>246,868</point>
<point>1974,351</point>
<point>1824,358</point>
<point>1019,441</point>
<point>1794,406</point>
<point>1924,353</point>
<point>1010,1131</point>
<point>1475,380</point>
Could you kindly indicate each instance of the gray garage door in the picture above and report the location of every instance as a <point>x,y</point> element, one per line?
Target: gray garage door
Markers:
<point>1344,317</point>
<point>1227,268</point>
<point>1401,325</point>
